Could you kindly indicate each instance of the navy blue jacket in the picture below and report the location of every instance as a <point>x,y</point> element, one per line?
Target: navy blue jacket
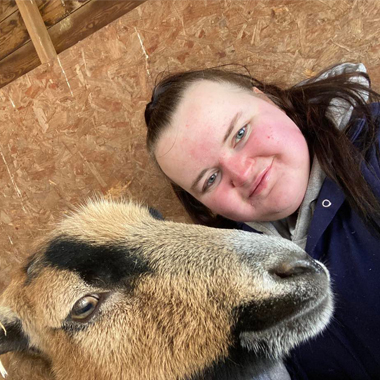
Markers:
<point>350,346</point>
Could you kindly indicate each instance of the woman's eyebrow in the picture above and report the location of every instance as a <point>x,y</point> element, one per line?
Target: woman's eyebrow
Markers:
<point>195,183</point>
<point>232,126</point>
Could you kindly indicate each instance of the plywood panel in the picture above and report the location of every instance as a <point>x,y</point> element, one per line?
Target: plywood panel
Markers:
<point>75,128</point>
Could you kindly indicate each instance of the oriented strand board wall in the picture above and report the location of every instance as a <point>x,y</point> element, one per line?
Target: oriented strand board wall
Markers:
<point>75,128</point>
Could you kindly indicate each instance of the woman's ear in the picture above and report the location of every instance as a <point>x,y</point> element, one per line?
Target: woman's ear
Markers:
<point>262,95</point>
<point>257,91</point>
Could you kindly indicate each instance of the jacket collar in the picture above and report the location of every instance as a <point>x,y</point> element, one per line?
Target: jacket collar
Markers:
<point>328,203</point>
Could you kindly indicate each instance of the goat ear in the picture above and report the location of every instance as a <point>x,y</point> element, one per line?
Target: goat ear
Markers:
<point>12,336</point>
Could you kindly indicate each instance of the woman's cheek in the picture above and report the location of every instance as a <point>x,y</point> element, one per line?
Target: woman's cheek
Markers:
<point>259,139</point>
<point>211,200</point>
<point>223,201</point>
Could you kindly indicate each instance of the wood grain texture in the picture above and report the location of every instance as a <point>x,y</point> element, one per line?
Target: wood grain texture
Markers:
<point>13,33</point>
<point>53,11</point>
<point>80,23</point>
<point>7,7</point>
<point>18,63</point>
<point>88,19</point>
<point>37,30</point>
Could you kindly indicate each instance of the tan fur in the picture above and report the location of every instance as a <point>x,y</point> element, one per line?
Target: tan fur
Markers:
<point>178,318</point>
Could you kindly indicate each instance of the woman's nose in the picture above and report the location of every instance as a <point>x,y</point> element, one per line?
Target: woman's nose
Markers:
<point>237,169</point>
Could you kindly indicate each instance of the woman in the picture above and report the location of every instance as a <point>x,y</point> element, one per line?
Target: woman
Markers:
<point>301,163</point>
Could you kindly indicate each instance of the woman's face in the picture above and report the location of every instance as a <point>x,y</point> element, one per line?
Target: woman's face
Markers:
<point>236,152</point>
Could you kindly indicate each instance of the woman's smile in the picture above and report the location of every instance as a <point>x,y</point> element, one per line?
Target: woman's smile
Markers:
<point>262,182</point>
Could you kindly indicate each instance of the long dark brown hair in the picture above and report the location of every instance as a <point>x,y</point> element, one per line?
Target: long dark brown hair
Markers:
<point>306,104</point>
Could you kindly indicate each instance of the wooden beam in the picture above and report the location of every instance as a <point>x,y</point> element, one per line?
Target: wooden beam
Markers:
<point>13,33</point>
<point>77,26</point>
<point>18,63</point>
<point>37,30</point>
<point>88,19</point>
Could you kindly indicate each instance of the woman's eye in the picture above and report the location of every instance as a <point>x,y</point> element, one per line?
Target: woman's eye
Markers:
<point>211,180</point>
<point>240,134</point>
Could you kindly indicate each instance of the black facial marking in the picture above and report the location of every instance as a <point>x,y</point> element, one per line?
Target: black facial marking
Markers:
<point>240,364</point>
<point>72,328</point>
<point>260,315</point>
<point>97,265</point>
<point>155,213</point>
<point>15,340</point>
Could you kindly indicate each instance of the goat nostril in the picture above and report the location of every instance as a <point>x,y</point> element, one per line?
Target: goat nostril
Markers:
<point>295,268</point>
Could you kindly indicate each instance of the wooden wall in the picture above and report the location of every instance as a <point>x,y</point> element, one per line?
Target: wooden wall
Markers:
<point>74,128</point>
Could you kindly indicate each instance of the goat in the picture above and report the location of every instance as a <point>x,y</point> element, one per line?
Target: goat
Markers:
<point>115,293</point>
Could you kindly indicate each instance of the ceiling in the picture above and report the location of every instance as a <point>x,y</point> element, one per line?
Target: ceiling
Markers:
<point>67,22</point>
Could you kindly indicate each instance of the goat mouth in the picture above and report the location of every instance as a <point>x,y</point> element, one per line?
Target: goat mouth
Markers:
<point>298,327</point>
<point>292,330</point>
<point>314,307</point>
<point>260,316</point>
<point>318,307</point>
<point>315,315</point>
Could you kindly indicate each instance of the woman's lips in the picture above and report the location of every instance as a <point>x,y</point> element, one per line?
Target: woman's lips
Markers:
<point>261,182</point>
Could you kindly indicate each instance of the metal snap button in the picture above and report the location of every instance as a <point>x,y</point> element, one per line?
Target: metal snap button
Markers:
<point>326,203</point>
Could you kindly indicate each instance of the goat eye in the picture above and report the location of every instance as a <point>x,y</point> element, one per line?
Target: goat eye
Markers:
<point>84,308</point>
